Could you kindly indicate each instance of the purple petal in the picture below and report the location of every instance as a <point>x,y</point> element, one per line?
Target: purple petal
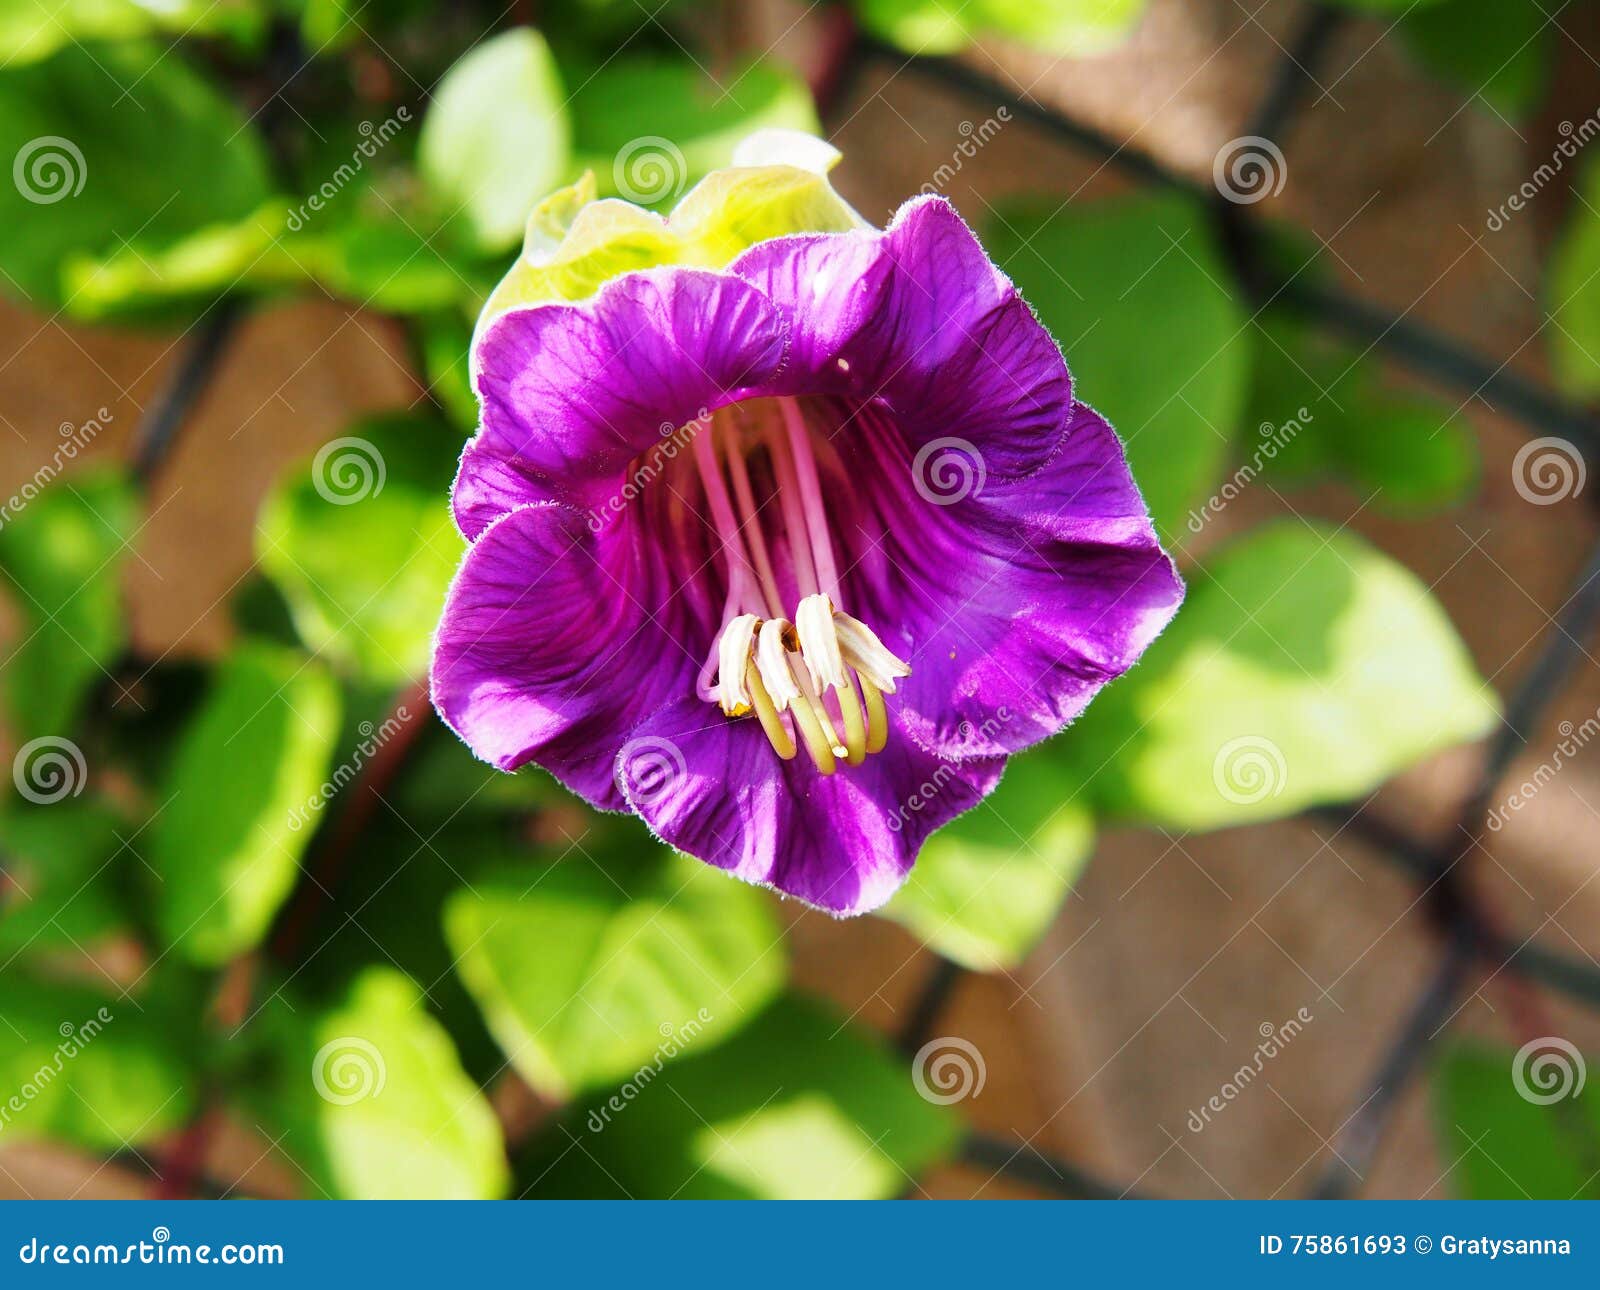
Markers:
<point>554,642</point>
<point>572,393</point>
<point>1016,603</point>
<point>842,842</point>
<point>919,318</point>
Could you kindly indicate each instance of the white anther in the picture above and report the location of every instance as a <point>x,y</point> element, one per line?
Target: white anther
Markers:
<point>733,659</point>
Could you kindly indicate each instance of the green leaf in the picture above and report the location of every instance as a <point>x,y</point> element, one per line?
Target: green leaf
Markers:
<point>1412,451</point>
<point>1497,48</point>
<point>60,557</point>
<point>34,29</point>
<point>650,126</point>
<point>1318,409</point>
<point>1305,667</point>
<point>988,885</point>
<point>372,1100</point>
<point>584,973</point>
<point>226,842</point>
<point>361,543</point>
<point>56,890</point>
<point>84,1068</point>
<point>1574,290</point>
<point>444,338</point>
<point>1072,27</point>
<point>119,143</point>
<point>1506,1123</point>
<point>1135,292</point>
<point>248,254</point>
<point>496,135</point>
<point>800,1104</point>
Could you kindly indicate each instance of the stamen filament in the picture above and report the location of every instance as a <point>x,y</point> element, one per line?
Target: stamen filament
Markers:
<point>811,498</point>
<point>794,519</point>
<point>741,577</point>
<point>819,743</point>
<point>877,716</point>
<point>855,730</point>
<point>771,721</point>
<point>739,473</point>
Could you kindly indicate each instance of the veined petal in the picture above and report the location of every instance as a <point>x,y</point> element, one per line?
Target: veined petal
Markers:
<point>843,843</point>
<point>571,394</point>
<point>919,318</point>
<point>554,642</point>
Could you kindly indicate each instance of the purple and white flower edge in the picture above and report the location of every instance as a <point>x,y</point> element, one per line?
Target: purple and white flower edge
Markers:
<point>788,557</point>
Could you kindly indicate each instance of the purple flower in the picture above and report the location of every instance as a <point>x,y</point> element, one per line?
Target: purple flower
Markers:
<point>788,557</point>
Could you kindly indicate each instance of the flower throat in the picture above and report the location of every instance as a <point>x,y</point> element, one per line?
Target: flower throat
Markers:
<point>813,671</point>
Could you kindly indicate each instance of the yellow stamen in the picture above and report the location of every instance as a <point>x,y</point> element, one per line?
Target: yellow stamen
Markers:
<point>818,743</point>
<point>877,716</point>
<point>771,722</point>
<point>855,730</point>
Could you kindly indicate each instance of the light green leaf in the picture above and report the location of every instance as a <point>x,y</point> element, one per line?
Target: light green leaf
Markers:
<point>361,543</point>
<point>1305,667</point>
<point>575,243</point>
<point>585,974</point>
<point>496,135</point>
<point>800,1104</point>
<point>255,253</point>
<point>123,142</point>
<point>235,813</point>
<point>1136,294</point>
<point>84,1068</point>
<point>1506,1122</point>
<point>1497,48</point>
<point>989,884</point>
<point>1574,291</point>
<point>373,1100</point>
<point>650,127</point>
<point>34,29</point>
<point>61,547</point>
<point>1073,27</point>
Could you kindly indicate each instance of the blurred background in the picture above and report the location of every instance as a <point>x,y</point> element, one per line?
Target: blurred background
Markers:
<point>1303,905</point>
